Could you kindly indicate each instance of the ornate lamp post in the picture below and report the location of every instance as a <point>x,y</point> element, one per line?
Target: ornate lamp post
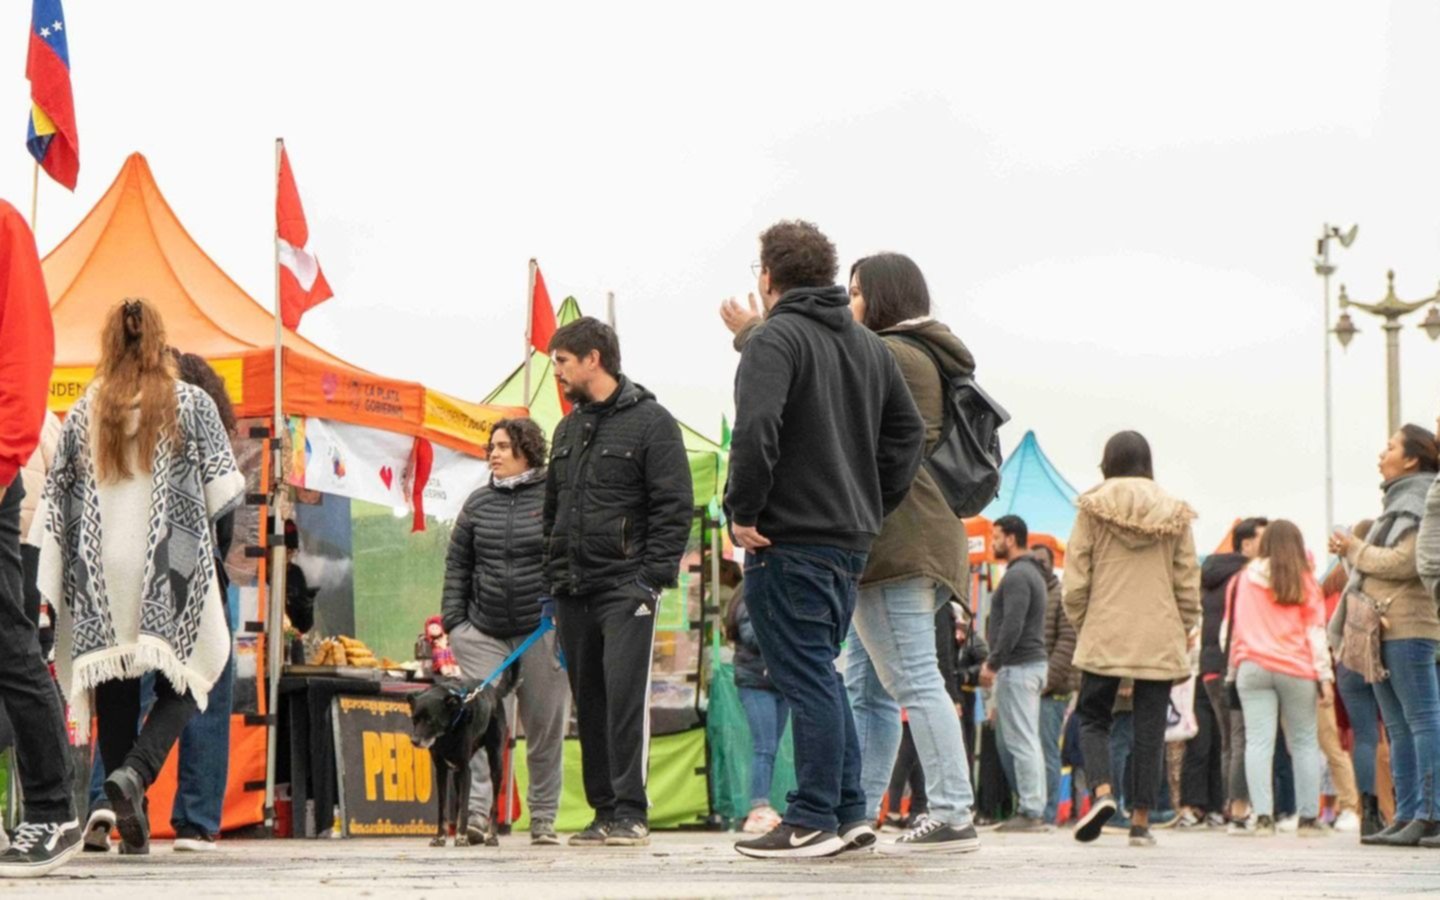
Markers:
<point>1324,268</point>
<point>1392,309</point>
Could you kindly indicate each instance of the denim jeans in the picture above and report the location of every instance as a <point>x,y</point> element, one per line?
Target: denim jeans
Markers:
<point>1052,724</point>
<point>801,598</point>
<point>1364,712</point>
<point>1122,741</point>
<point>26,689</point>
<point>1017,699</point>
<point>1410,704</point>
<point>890,663</point>
<point>205,755</point>
<point>1267,697</point>
<point>767,712</point>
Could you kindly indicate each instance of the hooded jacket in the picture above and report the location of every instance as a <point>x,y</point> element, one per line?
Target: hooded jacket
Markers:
<point>923,538</point>
<point>1132,583</point>
<point>827,440</point>
<point>1016,629</point>
<point>1214,582</point>
<point>618,499</point>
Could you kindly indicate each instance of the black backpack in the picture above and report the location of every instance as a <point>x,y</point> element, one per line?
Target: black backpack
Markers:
<point>965,461</point>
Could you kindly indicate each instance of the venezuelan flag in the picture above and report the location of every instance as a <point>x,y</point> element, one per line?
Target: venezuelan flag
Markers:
<point>52,137</point>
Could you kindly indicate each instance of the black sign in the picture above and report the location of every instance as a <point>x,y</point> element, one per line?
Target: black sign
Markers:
<point>387,784</point>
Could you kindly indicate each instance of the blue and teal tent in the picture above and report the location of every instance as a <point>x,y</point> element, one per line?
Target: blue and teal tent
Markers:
<point>1033,489</point>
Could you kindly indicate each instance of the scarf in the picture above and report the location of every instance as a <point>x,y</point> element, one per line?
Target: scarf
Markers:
<point>178,615</point>
<point>1404,507</point>
<point>529,476</point>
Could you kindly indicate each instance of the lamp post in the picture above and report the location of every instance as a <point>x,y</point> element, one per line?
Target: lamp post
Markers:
<point>1392,309</point>
<point>1324,268</point>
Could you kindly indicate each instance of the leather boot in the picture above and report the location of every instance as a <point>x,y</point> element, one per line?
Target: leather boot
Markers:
<point>1370,821</point>
<point>1411,835</point>
<point>1380,836</point>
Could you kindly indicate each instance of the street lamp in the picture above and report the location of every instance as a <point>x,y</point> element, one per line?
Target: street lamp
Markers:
<point>1392,309</point>
<point>1324,268</point>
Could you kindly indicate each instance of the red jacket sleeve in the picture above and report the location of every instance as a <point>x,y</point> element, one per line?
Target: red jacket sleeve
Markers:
<point>27,344</point>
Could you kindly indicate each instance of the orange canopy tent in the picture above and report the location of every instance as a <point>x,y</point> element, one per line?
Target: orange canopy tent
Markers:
<point>133,245</point>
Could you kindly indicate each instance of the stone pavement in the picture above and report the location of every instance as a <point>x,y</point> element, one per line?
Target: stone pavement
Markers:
<point>704,865</point>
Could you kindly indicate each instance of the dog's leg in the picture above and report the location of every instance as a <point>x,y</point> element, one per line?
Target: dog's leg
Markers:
<point>442,776</point>
<point>462,803</point>
<point>494,743</point>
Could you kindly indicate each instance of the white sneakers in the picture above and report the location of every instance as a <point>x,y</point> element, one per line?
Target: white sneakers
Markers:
<point>1347,823</point>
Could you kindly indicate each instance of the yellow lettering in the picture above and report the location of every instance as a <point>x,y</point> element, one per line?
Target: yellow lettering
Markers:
<point>371,742</point>
<point>405,767</point>
<point>423,775</point>
<point>387,762</point>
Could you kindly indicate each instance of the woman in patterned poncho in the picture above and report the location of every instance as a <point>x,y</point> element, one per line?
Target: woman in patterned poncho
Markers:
<point>143,469</point>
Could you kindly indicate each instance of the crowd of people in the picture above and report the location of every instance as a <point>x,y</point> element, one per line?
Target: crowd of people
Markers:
<point>851,617</point>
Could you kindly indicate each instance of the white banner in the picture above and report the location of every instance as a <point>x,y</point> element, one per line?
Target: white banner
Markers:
<point>353,461</point>
<point>453,478</point>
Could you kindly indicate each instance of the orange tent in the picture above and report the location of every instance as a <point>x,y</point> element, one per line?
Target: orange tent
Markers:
<point>133,245</point>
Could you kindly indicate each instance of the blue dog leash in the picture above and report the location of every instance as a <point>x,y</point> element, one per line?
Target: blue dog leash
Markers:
<point>546,624</point>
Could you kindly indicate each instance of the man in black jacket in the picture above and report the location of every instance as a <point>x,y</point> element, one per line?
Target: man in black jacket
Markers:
<point>827,441</point>
<point>618,507</point>
<point>493,585</point>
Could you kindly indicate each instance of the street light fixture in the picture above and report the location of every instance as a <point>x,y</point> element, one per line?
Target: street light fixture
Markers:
<point>1392,309</point>
<point>1324,268</point>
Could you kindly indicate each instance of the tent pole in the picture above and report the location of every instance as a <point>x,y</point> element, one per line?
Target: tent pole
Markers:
<point>274,624</point>
<point>529,329</point>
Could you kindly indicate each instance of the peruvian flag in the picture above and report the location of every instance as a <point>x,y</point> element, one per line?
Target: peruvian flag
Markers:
<point>542,315</point>
<point>302,284</point>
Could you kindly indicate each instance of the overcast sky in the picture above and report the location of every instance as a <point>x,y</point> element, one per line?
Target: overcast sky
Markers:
<point>1115,204</point>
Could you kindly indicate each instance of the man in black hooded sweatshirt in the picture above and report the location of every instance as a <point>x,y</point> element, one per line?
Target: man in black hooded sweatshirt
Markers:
<point>826,443</point>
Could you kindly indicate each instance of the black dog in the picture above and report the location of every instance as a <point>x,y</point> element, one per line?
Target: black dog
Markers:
<point>453,729</point>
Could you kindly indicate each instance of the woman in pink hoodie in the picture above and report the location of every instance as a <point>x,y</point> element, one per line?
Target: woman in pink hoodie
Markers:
<point>1279,660</point>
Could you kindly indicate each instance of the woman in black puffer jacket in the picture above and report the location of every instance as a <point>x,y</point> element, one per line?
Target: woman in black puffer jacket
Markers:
<point>493,585</point>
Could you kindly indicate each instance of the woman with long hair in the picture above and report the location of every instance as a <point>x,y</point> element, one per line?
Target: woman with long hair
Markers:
<point>1132,590</point>
<point>143,469</point>
<point>1385,589</point>
<point>1277,656</point>
<point>915,566</point>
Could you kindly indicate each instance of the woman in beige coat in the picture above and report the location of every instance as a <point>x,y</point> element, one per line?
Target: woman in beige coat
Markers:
<point>1132,590</point>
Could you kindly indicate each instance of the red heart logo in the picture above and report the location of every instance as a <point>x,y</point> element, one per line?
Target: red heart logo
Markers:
<point>387,475</point>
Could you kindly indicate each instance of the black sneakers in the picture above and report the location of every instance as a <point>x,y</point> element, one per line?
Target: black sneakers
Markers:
<point>628,833</point>
<point>934,836</point>
<point>126,793</point>
<point>1022,824</point>
<point>97,830</point>
<point>1093,823</point>
<point>788,842</point>
<point>1140,836</point>
<point>40,848</point>
<point>593,836</point>
<point>858,836</point>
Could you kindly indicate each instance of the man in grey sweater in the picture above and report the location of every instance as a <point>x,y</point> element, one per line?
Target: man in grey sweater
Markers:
<point>1017,668</point>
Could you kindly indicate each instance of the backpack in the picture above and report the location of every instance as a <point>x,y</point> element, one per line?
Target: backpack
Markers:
<point>965,461</point>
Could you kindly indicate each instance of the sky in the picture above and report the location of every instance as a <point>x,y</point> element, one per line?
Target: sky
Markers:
<point>1115,205</point>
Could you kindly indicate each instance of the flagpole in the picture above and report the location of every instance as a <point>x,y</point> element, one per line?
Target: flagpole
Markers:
<point>34,197</point>
<point>610,308</point>
<point>274,626</point>
<point>529,328</point>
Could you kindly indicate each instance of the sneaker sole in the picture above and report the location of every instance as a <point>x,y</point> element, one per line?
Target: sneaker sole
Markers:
<point>832,847</point>
<point>548,840</point>
<point>1093,824</point>
<point>39,870</point>
<point>190,845</point>
<point>1142,843</point>
<point>627,842</point>
<point>587,842</point>
<point>969,845</point>
<point>865,840</point>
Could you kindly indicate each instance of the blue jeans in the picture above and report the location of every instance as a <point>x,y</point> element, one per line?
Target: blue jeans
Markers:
<point>1052,724</point>
<point>801,598</point>
<point>205,759</point>
<point>1122,741</point>
<point>1410,703</point>
<point>1364,712</point>
<point>1017,700</point>
<point>767,713</point>
<point>890,663</point>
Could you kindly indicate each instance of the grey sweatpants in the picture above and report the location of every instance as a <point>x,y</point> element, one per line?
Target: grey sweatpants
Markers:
<point>544,696</point>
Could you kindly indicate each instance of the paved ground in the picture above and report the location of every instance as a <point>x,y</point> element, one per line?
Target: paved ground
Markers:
<point>703,865</point>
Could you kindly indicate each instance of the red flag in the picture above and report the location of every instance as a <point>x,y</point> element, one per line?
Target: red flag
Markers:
<point>542,315</point>
<point>302,284</point>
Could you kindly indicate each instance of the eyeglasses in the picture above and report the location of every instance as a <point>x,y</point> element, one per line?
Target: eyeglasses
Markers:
<point>755,268</point>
